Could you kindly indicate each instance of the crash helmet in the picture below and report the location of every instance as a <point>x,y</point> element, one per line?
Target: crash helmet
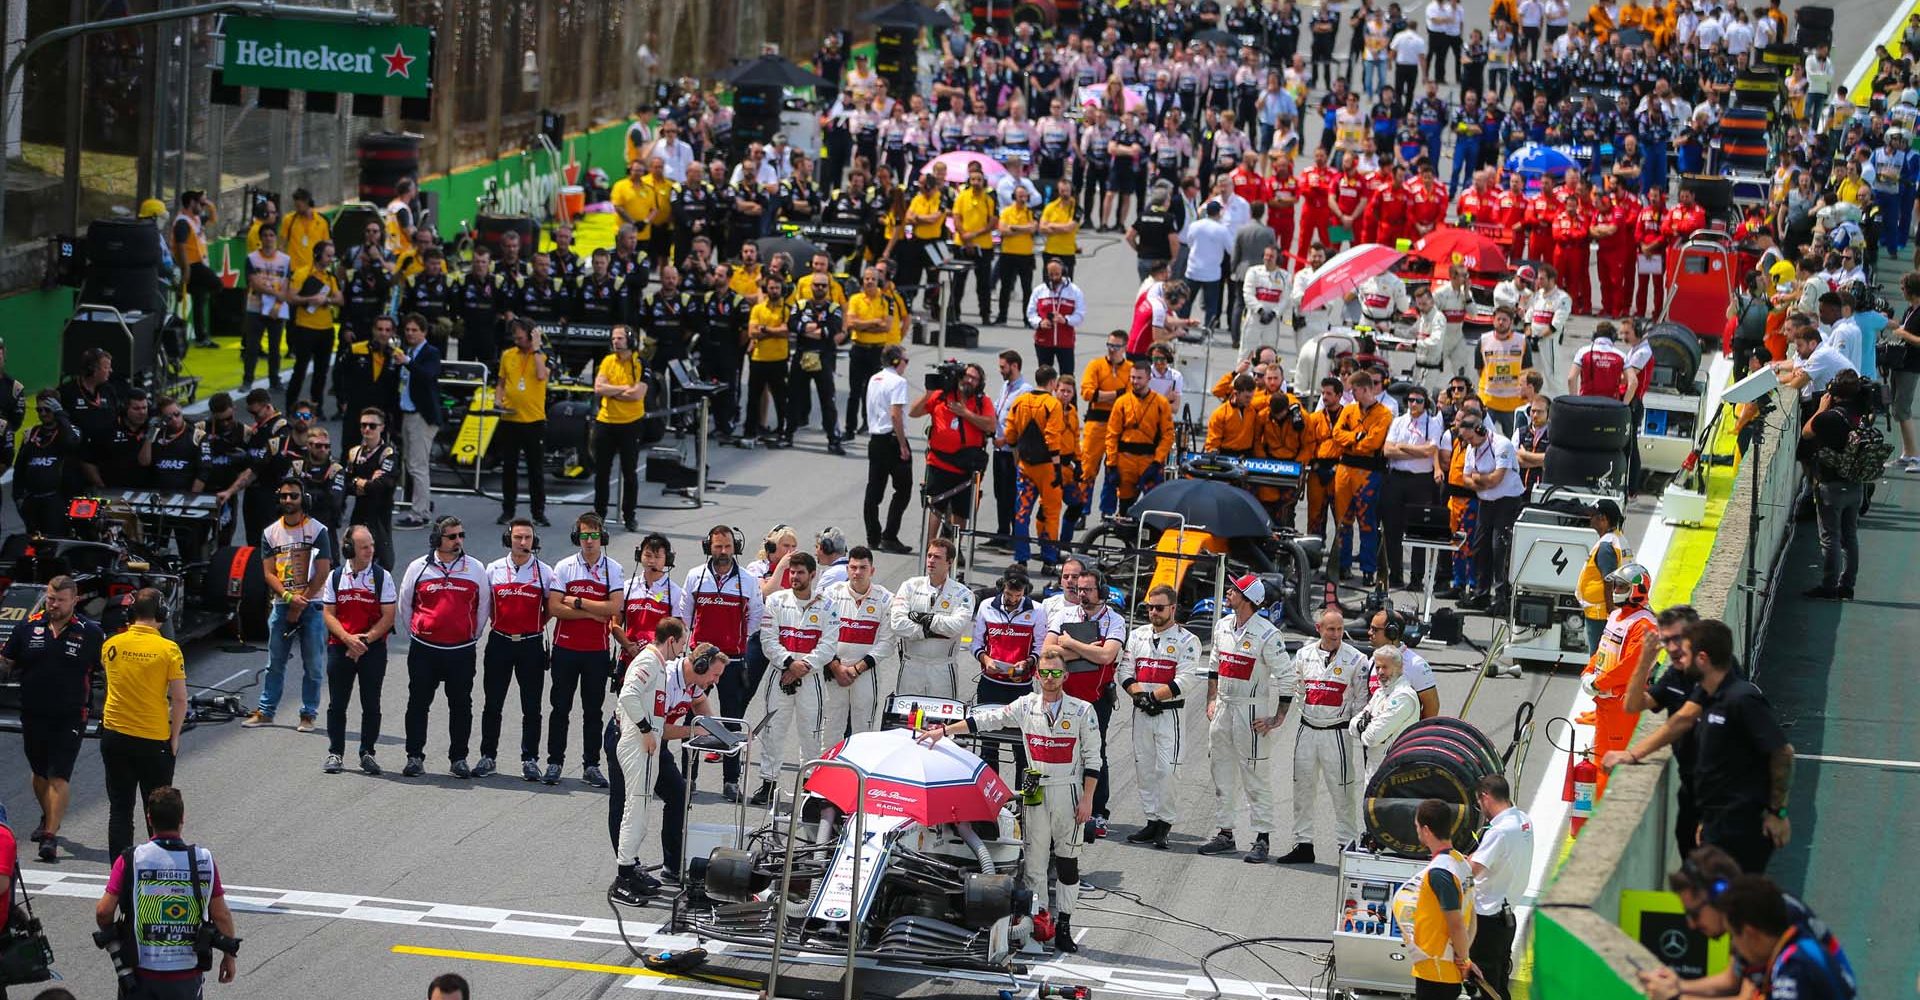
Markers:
<point>1631,585</point>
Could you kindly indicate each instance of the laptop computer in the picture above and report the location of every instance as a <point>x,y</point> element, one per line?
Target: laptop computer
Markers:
<point>1429,522</point>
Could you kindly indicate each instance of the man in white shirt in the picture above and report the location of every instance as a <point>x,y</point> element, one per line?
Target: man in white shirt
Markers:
<point>1209,241</point>
<point>1409,52</point>
<point>1492,471</point>
<point>1839,330</point>
<point>889,453</point>
<point>1501,866</point>
<point>673,151</point>
<point>1812,365</point>
<point>1819,82</point>
<point>1413,444</point>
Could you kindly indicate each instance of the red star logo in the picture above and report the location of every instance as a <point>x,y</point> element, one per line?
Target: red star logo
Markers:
<point>398,62</point>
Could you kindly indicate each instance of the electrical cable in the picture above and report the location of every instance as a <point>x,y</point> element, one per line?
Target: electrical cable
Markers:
<point>1251,942</point>
<point>1234,940</point>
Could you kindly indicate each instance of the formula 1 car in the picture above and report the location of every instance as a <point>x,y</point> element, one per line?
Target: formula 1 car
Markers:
<point>944,895</point>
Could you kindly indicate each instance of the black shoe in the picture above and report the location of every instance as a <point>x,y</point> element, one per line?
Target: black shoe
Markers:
<point>1160,836</point>
<point>1478,602</point>
<point>485,767</point>
<point>730,791</point>
<point>630,890</point>
<point>1302,854</point>
<point>529,770</point>
<point>541,520</point>
<point>1258,855</point>
<point>836,448</point>
<point>1846,593</point>
<point>764,796</point>
<point>1145,834</point>
<point>416,766</point>
<point>1447,594</point>
<point>552,775</point>
<point>368,764</point>
<point>595,777</point>
<point>1366,581</point>
<point>896,547</point>
<point>50,848</point>
<point>1221,843</point>
<point>1395,583</point>
<point>460,769</point>
<point>1822,593</point>
<point>1063,935</point>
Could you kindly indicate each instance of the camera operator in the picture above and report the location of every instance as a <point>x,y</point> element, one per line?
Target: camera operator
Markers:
<point>114,461</point>
<point>40,466</point>
<point>223,454</point>
<point>367,294</point>
<point>172,944</point>
<point>963,423</point>
<point>92,399</point>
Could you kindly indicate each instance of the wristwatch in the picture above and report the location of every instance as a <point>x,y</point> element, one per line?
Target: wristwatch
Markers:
<point>1780,812</point>
<point>576,605</point>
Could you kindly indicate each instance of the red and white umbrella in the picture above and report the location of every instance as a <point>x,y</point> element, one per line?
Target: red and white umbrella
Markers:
<point>1345,272</point>
<point>943,783</point>
<point>956,163</point>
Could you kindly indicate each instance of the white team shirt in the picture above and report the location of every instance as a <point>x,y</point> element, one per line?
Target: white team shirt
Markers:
<point>1506,852</point>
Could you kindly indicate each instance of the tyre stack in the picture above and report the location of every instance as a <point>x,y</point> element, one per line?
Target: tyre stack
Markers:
<point>1439,758</point>
<point>1587,441</point>
<point>123,265</point>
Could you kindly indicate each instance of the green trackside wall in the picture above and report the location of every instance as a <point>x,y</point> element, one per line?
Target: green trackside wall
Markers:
<point>1564,966</point>
<point>31,321</point>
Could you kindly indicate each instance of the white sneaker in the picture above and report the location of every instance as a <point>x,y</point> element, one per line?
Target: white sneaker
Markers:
<point>1910,464</point>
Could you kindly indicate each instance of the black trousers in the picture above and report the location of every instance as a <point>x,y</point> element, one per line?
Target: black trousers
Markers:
<point>1103,711</point>
<point>134,768</point>
<point>1493,544</point>
<point>770,378</point>
<point>1005,489</point>
<point>1427,989</point>
<point>863,363</point>
<point>310,347</point>
<point>371,673</point>
<point>668,784</point>
<point>274,327</point>
<point>1008,269</point>
<point>1404,489</point>
<point>611,441</point>
<point>428,669</point>
<point>1739,833</point>
<point>1636,415</point>
<point>574,669</point>
<point>799,403</point>
<point>258,509</point>
<point>1492,951</point>
<point>885,466</point>
<point>516,440</point>
<point>980,259</point>
<point>201,284</point>
<point>722,367</point>
<point>505,661</point>
<point>1061,358</point>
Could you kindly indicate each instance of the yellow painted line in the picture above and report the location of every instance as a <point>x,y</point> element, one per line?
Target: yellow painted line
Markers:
<point>560,963</point>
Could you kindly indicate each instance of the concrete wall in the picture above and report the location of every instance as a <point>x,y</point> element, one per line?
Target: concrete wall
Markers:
<point>1580,953</point>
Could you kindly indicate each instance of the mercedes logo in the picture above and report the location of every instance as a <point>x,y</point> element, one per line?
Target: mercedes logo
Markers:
<point>1674,943</point>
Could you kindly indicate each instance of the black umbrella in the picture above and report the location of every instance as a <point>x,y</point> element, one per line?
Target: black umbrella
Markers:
<point>1215,36</point>
<point>1208,505</point>
<point>772,71</point>
<point>801,250</point>
<point>1631,37</point>
<point>906,14</point>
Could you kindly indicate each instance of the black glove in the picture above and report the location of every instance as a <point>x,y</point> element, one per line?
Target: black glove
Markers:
<point>1366,719</point>
<point>924,619</point>
<point>1145,702</point>
<point>1266,315</point>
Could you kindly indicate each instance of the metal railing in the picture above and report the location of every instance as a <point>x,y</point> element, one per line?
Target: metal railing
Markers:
<point>786,872</point>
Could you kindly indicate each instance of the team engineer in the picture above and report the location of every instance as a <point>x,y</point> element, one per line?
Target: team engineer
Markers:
<point>54,659</point>
<point>145,712</point>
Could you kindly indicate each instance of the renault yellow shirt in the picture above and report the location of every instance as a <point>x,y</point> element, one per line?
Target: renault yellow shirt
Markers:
<point>524,394</point>
<point>658,196</point>
<point>975,210</point>
<point>140,664</point>
<point>620,411</point>
<point>1011,243</point>
<point>901,315</point>
<point>299,236</point>
<point>310,316</point>
<point>768,315</point>
<point>1064,244</point>
<point>745,281</point>
<point>864,306</point>
<point>634,201</point>
<point>926,203</point>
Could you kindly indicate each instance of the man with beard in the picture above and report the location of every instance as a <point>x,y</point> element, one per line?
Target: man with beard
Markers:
<point>299,551</point>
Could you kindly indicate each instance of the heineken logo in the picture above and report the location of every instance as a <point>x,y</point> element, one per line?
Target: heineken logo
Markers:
<point>307,55</point>
<point>320,58</point>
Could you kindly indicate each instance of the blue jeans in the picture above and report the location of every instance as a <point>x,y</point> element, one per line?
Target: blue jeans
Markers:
<point>311,631</point>
<point>1373,76</point>
<point>1892,237</point>
<point>1466,160</point>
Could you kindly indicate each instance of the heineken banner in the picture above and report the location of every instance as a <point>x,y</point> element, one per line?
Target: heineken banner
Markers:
<point>292,54</point>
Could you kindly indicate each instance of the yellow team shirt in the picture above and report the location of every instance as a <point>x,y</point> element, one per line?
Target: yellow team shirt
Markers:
<point>619,411</point>
<point>1016,244</point>
<point>1500,376</point>
<point>926,203</point>
<point>253,235</point>
<point>313,317</point>
<point>768,315</point>
<point>1062,244</point>
<point>635,201</point>
<point>975,210</point>
<point>299,236</point>
<point>140,664</point>
<point>523,393</point>
<point>659,198</point>
<point>745,281</point>
<point>1848,190</point>
<point>864,306</point>
<point>900,315</point>
<point>803,290</point>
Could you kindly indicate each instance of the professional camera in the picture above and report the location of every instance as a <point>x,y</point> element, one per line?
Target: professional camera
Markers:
<point>947,376</point>
<point>208,938</point>
<point>108,939</point>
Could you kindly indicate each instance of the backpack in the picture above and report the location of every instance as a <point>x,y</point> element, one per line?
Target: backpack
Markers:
<point>1861,461</point>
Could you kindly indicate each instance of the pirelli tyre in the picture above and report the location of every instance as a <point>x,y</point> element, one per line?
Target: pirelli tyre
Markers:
<point>1584,469</point>
<point>1589,423</point>
<point>1676,355</point>
<point>1441,758</point>
<point>236,579</point>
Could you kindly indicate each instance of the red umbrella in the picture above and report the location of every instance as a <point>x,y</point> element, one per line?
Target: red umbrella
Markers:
<point>1345,272</point>
<point>930,785</point>
<point>1476,250</point>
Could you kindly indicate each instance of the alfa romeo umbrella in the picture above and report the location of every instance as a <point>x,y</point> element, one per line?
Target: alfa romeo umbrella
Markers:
<point>1209,505</point>
<point>1476,250</point>
<point>956,163</point>
<point>1345,272</point>
<point>942,783</point>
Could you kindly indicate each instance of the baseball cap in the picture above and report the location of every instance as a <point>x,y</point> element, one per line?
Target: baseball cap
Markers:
<point>1606,507</point>
<point>152,208</point>
<point>1251,588</point>
<point>1524,274</point>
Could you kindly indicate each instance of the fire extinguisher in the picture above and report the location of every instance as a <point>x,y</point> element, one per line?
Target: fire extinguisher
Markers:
<point>1585,777</point>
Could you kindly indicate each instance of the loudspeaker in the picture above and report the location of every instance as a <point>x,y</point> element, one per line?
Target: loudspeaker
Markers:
<point>1810,38</point>
<point>1715,194</point>
<point>123,243</point>
<point>129,289</point>
<point>139,354</point>
<point>1812,16</point>
<point>962,335</point>
<point>488,230</point>
<point>350,226</point>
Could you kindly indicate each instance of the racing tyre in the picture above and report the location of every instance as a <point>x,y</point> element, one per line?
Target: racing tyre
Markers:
<point>1589,423</point>
<point>1440,758</point>
<point>1584,469</point>
<point>235,579</point>
<point>1676,349</point>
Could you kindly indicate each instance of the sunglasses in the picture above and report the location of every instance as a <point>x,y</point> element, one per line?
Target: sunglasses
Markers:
<point>455,535</point>
<point>374,424</point>
<point>304,414</point>
<point>1051,672</point>
<point>596,535</point>
<point>1158,607</point>
<point>289,496</point>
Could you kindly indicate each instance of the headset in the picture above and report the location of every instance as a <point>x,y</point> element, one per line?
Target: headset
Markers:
<point>346,541</point>
<point>1396,628</point>
<point>656,539</point>
<point>440,526</point>
<point>832,541</point>
<point>772,543</point>
<point>706,540</point>
<point>1713,887</point>
<point>703,660</point>
<point>306,495</point>
<point>506,538</point>
<point>593,523</point>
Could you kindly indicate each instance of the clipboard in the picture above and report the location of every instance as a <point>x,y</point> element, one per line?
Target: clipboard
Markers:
<point>1087,632</point>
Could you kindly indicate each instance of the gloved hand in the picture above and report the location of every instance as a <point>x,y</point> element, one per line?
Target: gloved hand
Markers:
<point>1145,702</point>
<point>1265,315</point>
<point>1587,678</point>
<point>924,619</point>
<point>1360,724</point>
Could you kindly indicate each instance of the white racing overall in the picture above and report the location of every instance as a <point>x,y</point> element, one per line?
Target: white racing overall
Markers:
<point>864,633</point>
<point>642,696</point>
<point>1172,658</point>
<point>926,661</point>
<point>1063,744</point>
<point>1254,673</point>
<point>804,631</point>
<point>1333,689</point>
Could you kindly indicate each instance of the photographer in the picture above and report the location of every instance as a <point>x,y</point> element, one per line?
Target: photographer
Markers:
<point>171,945</point>
<point>963,422</point>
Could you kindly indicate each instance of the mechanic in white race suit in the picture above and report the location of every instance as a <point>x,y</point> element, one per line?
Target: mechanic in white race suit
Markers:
<point>1063,744</point>
<point>1436,342</point>
<point>1322,318</point>
<point>930,615</point>
<point>1545,315</point>
<point>1266,292</point>
<point>1383,301</point>
<point>656,701</point>
<point>1251,671</point>
<point>852,683</point>
<point>1391,708</point>
<point>1160,663</point>
<point>1333,689</point>
<point>1453,299</point>
<point>799,632</point>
